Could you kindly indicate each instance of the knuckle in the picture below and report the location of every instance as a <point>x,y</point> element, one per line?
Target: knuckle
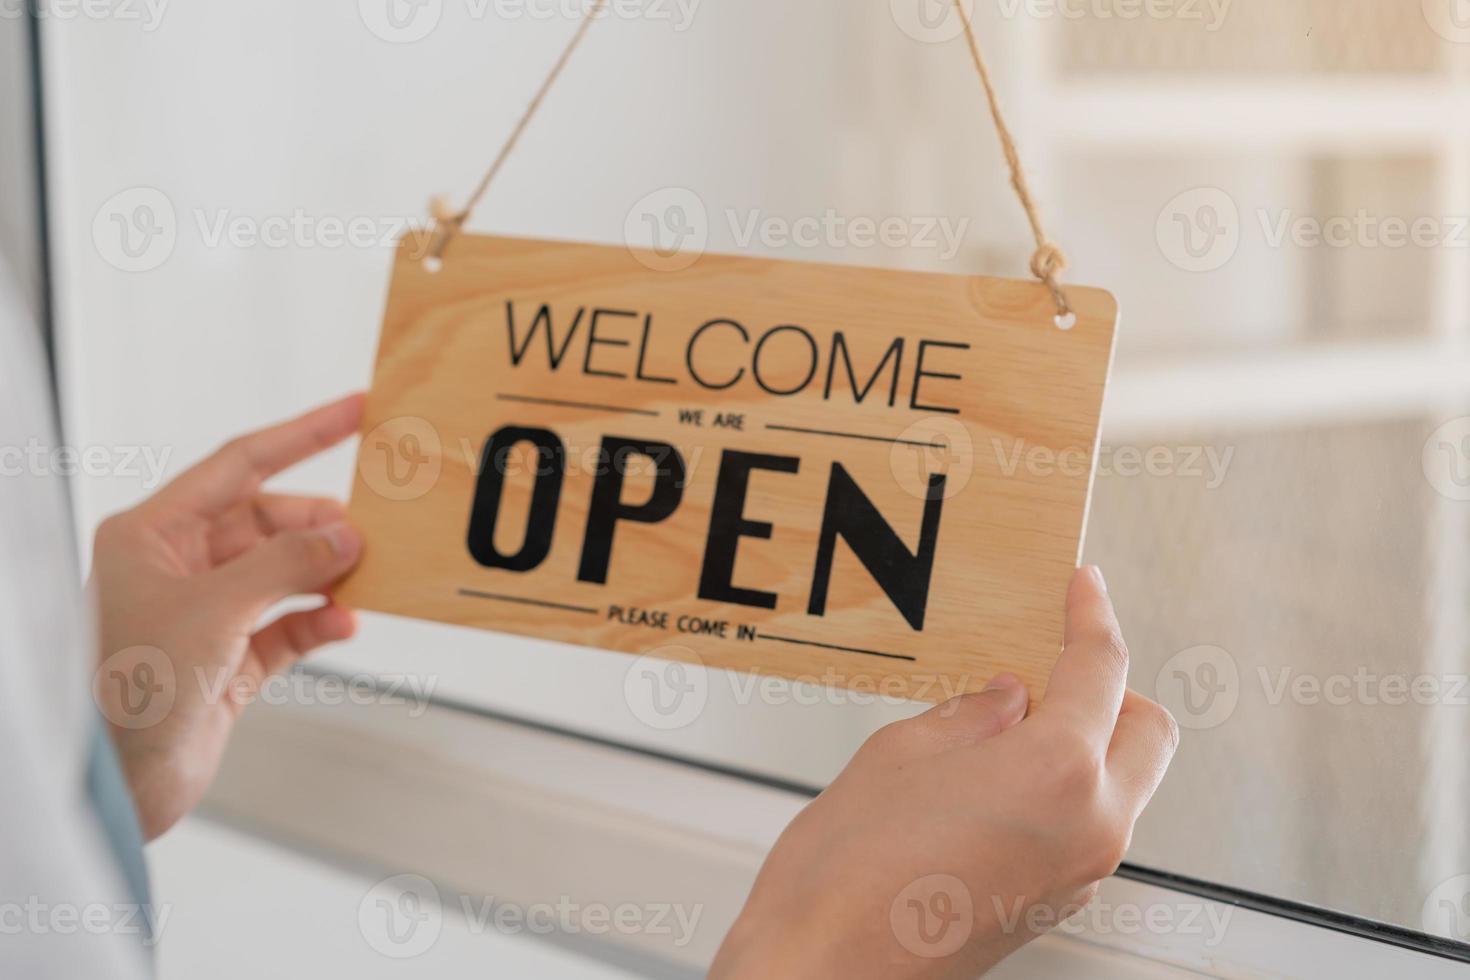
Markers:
<point>1075,765</point>
<point>1107,850</point>
<point>1088,893</point>
<point>886,739</point>
<point>233,448</point>
<point>1168,726</point>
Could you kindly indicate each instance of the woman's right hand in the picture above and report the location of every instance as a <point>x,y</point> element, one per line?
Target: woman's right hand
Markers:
<point>955,837</point>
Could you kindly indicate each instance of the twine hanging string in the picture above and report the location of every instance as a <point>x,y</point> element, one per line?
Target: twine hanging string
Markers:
<point>1048,260</point>
<point>447,221</point>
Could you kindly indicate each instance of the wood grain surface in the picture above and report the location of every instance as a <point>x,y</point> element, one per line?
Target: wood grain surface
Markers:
<point>757,401</point>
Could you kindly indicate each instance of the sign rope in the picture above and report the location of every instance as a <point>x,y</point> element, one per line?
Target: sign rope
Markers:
<point>1047,262</point>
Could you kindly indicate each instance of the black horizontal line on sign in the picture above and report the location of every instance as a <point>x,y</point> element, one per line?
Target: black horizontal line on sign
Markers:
<point>850,435</point>
<point>496,597</point>
<point>833,646</point>
<point>564,403</point>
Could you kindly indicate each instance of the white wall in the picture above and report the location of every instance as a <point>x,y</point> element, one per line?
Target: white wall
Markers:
<point>278,109</point>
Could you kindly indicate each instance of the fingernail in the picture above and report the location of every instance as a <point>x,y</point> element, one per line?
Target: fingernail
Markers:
<point>1097,576</point>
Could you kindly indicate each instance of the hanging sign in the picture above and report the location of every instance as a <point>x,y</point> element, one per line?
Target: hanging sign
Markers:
<point>862,477</point>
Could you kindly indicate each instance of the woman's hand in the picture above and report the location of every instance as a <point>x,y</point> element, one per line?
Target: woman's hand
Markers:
<point>181,583</point>
<point>950,837</point>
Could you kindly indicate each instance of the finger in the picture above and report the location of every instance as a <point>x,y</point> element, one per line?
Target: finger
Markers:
<point>247,524</point>
<point>237,470</point>
<point>1143,744</point>
<point>280,644</point>
<point>286,564</point>
<point>969,718</point>
<point>1090,676</point>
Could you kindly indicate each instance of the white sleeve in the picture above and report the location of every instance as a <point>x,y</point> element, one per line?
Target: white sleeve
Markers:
<point>64,909</point>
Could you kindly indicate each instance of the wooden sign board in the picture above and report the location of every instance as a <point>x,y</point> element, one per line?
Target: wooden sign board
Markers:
<point>860,477</point>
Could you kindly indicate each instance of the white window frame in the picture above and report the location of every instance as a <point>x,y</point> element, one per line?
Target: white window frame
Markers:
<point>491,806</point>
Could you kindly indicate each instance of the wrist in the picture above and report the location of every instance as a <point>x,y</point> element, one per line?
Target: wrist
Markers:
<point>801,947</point>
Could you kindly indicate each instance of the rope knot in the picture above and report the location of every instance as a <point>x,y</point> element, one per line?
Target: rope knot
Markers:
<point>1047,261</point>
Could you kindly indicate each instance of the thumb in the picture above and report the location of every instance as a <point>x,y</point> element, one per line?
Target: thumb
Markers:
<point>287,564</point>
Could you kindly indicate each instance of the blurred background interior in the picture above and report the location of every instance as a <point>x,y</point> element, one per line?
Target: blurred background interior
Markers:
<point>1182,162</point>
